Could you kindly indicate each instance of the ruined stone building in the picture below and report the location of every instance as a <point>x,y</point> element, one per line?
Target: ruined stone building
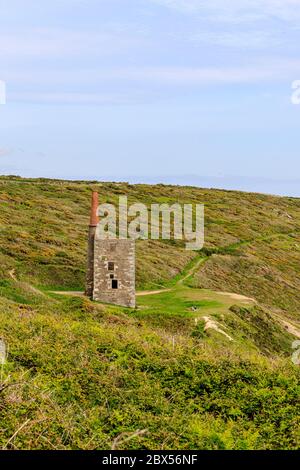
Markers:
<point>110,266</point>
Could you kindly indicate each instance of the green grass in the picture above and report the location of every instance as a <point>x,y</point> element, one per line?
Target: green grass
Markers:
<point>79,374</point>
<point>176,303</point>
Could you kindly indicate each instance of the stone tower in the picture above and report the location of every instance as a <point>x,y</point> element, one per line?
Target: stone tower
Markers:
<point>111,266</point>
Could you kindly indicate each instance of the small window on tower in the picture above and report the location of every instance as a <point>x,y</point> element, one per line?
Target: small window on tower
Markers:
<point>111,266</point>
<point>111,276</point>
<point>114,284</point>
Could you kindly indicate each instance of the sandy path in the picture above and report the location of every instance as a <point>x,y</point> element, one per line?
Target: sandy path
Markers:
<point>152,292</point>
<point>237,296</point>
<point>138,294</point>
<point>213,325</point>
<point>12,275</point>
<point>290,327</point>
<point>192,270</point>
<point>70,293</point>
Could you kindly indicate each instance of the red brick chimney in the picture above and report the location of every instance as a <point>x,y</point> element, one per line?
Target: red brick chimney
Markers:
<point>94,217</point>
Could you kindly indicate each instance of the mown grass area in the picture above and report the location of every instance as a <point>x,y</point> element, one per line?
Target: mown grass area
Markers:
<point>192,367</point>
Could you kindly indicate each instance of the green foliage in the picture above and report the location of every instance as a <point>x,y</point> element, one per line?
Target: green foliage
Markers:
<point>259,325</point>
<point>80,379</point>
<point>199,331</point>
<point>79,374</point>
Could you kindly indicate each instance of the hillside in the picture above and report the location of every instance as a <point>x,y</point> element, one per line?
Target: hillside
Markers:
<point>204,364</point>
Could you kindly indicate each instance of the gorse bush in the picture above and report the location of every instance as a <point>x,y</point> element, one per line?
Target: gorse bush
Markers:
<point>194,367</point>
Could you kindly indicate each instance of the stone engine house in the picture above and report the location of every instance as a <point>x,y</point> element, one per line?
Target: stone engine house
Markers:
<point>110,266</point>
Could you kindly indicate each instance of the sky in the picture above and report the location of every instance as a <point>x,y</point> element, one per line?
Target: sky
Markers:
<point>180,91</point>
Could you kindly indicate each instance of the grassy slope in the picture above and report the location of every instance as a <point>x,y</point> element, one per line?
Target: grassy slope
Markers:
<point>80,374</point>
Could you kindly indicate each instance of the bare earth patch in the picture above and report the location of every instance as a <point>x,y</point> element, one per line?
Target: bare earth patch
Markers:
<point>290,327</point>
<point>152,292</point>
<point>213,325</point>
<point>70,293</point>
<point>237,296</point>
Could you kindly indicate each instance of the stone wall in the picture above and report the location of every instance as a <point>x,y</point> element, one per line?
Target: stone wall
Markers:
<point>89,285</point>
<point>114,260</point>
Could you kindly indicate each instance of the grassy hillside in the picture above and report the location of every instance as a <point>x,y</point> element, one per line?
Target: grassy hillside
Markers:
<point>204,364</point>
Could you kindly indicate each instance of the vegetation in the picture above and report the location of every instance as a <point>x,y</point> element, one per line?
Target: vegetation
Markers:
<point>195,366</point>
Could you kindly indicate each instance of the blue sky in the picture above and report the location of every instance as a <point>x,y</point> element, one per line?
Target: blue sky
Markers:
<point>182,91</point>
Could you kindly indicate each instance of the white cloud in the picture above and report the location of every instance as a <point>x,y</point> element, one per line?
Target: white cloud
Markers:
<point>238,39</point>
<point>51,43</point>
<point>257,72</point>
<point>125,85</point>
<point>71,98</point>
<point>237,10</point>
<point>5,152</point>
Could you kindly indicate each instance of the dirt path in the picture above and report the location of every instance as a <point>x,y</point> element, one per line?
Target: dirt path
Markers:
<point>237,296</point>
<point>210,324</point>
<point>12,275</point>
<point>213,325</point>
<point>290,327</point>
<point>34,290</point>
<point>81,294</point>
<point>192,270</point>
<point>181,280</point>
<point>69,293</point>
<point>152,292</point>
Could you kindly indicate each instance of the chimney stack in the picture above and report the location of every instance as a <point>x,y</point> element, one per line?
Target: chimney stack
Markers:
<point>89,289</point>
<point>94,217</point>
